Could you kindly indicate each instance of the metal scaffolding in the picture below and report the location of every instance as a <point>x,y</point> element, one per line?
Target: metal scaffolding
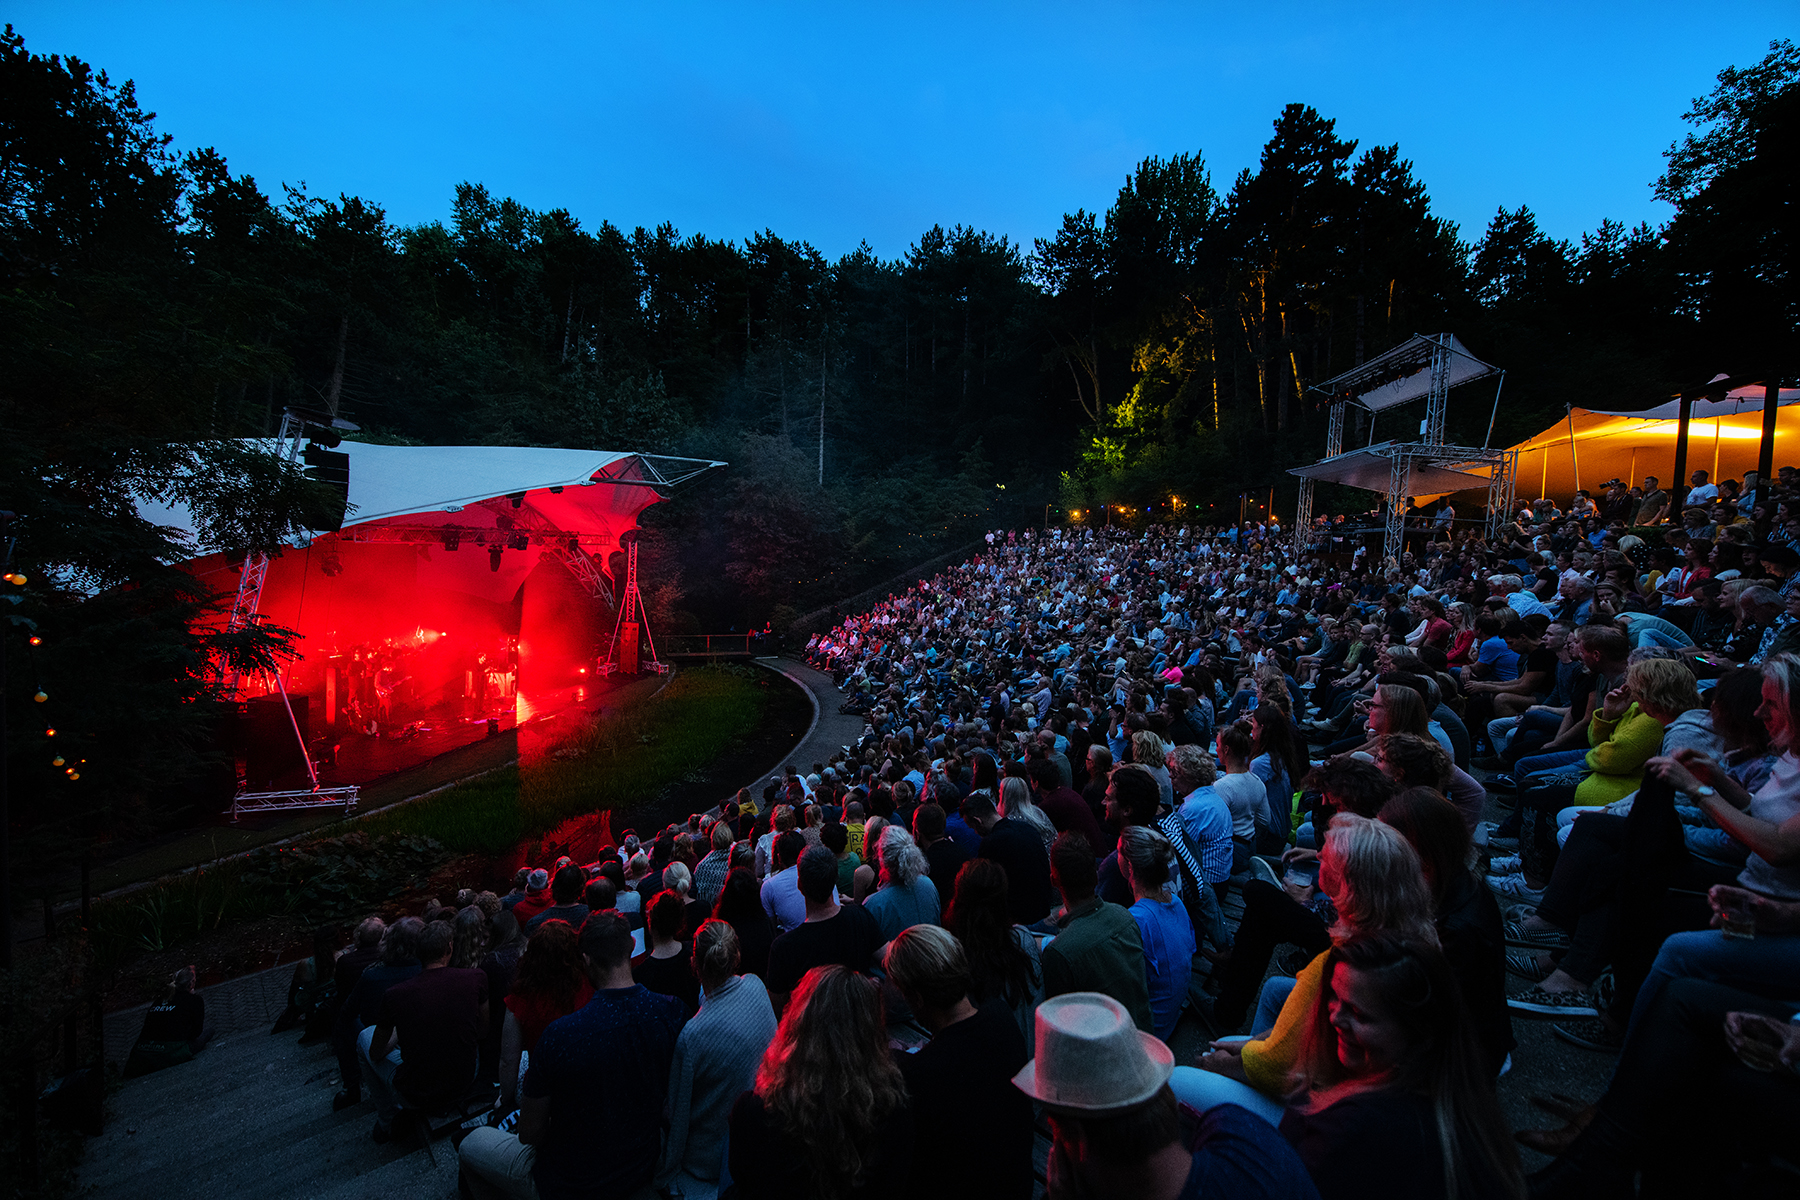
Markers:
<point>1392,379</point>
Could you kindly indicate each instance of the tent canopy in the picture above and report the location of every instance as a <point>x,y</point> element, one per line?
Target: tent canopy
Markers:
<point>1371,468</point>
<point>1589,447</point>
<point>1403,374</point>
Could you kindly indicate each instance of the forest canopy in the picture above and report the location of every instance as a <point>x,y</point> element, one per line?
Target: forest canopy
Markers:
<point>875,412</point>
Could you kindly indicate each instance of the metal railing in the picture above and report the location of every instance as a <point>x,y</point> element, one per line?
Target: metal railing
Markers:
<point>714,645</point>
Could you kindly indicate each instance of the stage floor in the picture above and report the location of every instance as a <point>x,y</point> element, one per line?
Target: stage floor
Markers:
<point>361,758</point>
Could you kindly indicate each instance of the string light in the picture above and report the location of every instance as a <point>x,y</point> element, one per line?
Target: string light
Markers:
<point>41,697</point>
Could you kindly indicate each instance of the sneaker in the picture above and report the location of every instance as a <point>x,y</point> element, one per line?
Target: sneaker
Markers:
<point>1553,1004</point>
<point>1506,864</point>
<point>1546,939</point>
<point>1514,887</point>
<point>1502,782</point>
<point>1528,966</point>
<point>1496,841</point>
<point>1590,1035</point>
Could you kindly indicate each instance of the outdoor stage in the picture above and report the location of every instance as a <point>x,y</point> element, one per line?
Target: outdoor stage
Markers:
<point>469,591</point>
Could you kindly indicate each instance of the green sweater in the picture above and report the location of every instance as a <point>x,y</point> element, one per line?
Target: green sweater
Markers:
<point>1097,948</point>
<point>1620,750</point>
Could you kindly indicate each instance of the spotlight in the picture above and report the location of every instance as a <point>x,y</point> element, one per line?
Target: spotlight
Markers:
<point>517,498</point>
<point>557,490</point>
<point>494,553</point>
<point>519,541</point>
<point>452,539</point>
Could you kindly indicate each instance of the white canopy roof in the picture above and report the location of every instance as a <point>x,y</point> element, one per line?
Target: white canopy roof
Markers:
<point>1738,400</point>
<point>399,481</point>
<point>1403,374</point>
<point>1371,467</point>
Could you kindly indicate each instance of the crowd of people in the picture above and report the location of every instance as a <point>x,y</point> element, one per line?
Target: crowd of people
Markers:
<point>1350,819</point>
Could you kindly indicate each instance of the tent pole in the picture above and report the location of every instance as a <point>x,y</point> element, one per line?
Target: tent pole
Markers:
<point>1494,412</point>
<point>1544,476</point>
<point>1765,462</point>
<point>1678,490</point>
<point>1574,459</point>
<point>1717,421</point>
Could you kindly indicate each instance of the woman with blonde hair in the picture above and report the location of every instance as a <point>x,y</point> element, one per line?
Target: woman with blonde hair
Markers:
<point>1624,733</point>
<point>1149,751</point>
<point>1389,1087</point>
<point>829,1115</point>
<point>1376,883</point>
<point>1017,804</point>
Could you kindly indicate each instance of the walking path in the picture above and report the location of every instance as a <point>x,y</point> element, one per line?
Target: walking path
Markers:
<point>831,730</point>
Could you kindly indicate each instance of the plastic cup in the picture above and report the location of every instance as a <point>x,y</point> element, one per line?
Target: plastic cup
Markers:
<point>1735,918</point>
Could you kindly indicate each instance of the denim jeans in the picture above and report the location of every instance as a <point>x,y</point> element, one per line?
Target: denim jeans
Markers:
<point>1768,965</point>
<point>1201,1090</point>
<point>1547,763</point>
<point>378,1074</point>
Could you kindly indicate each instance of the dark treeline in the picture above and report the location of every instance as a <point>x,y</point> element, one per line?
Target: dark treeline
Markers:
<point>874,412</point>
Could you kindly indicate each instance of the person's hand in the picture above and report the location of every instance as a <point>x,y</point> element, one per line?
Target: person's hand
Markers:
<point>1763,1043</point>
<point>1770,916</point>
<point>1223,1060</point>
<point>1617,701</point>
<point>1700,765</point>
<point>1671,771</point>
<point>1299,893</point>
<point>1299,854</point>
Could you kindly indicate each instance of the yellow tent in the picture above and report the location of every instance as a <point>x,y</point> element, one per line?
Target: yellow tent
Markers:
<point>1591,446</point>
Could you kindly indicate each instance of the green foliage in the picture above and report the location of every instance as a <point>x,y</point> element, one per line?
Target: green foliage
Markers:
<point>622,760</point>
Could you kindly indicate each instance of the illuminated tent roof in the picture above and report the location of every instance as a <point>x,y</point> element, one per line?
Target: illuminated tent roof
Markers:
<point>1591,446</point>
<point>1371,468</point>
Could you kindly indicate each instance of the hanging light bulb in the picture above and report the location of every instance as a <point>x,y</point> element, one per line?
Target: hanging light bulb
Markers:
<point>74,775</point>
<point>41,697</point>
<point>57,761</point>
<point>37,641</point>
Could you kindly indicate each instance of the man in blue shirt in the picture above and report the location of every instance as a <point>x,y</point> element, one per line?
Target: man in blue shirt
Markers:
<point>590,1122</point>
<point>1496,661</point>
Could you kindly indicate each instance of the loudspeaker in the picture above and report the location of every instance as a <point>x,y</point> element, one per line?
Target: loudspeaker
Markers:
<point>267,742</point>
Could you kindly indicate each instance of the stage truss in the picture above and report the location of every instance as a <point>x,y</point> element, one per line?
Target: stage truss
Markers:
<point>1391,379</point>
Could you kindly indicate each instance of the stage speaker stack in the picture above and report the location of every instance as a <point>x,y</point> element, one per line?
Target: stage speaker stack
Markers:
<point>628,648</point>
<point>267,742</point>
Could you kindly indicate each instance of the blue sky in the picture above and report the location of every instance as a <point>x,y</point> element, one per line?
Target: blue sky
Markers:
<point>836,123</point>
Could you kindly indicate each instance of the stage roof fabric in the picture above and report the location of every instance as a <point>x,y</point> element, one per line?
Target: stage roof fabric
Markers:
<point>1403,374</point>
<point>400,481</point>
<point>1371,468</point>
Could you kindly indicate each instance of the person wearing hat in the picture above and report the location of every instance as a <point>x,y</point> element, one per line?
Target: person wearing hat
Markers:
<point>537,896</point>
<point>1117,1129</point>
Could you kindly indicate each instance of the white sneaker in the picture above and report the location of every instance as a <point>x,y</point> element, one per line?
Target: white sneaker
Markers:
<point>1514,887</point>
<point>1506,864</point>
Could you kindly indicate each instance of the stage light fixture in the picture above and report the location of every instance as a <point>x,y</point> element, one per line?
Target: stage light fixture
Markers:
<point>494,553</point>
<point>557,490</point>
<point>517,498</point>
<point>452,539</point>
<point>520,541</point>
